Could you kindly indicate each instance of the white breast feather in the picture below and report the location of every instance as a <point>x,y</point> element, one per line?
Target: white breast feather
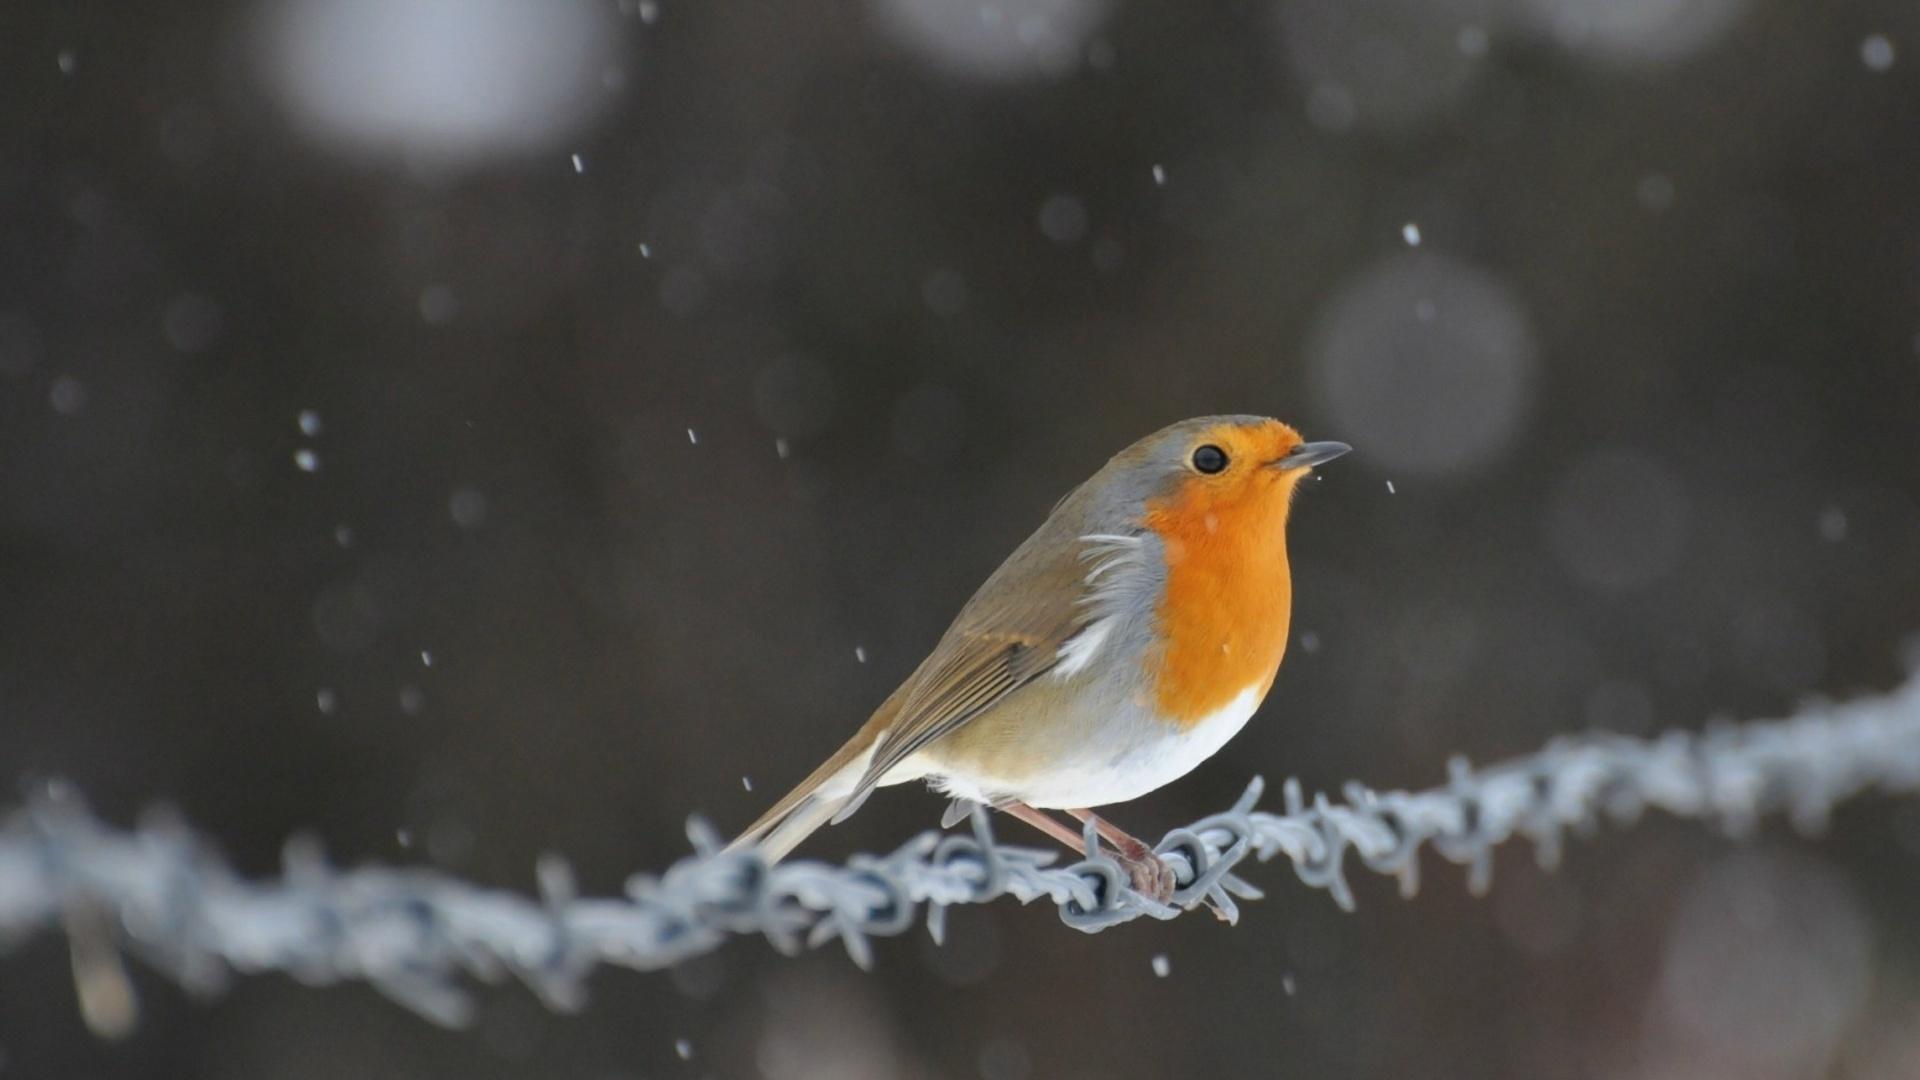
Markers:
<point>1079,650</point>
<point>1114,560</point>
<point>1150,765</point>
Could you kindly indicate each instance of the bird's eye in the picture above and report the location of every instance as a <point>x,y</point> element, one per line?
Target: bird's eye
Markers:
<point>1210,459</point>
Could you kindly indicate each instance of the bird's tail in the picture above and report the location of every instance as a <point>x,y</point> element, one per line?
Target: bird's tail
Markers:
<point>815,801</point>
<point>829,792</point>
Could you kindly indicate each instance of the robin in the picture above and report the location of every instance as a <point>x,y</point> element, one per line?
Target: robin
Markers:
<point>1121,645</point>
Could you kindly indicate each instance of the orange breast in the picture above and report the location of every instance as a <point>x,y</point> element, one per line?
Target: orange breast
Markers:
<point>1223,620</point>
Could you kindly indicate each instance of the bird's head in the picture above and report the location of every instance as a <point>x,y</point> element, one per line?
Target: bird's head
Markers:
<point>1206,472</point>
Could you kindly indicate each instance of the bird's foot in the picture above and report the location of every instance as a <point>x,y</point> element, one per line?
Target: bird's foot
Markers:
<point>1147,872</point>
<point>1151,876</point>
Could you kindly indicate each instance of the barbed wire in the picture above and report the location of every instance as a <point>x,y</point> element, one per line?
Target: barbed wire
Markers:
<point>160,893</point>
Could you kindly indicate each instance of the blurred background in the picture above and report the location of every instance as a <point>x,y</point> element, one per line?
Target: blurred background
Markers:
<point>467,429</point>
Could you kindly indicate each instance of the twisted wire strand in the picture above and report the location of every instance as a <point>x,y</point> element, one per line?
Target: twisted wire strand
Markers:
<point>160,893</point>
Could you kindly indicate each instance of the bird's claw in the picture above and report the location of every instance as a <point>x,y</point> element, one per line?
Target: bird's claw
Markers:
<point>1150,874</point>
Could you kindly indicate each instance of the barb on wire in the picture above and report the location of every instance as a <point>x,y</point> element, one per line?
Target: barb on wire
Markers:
<point>159,893</point>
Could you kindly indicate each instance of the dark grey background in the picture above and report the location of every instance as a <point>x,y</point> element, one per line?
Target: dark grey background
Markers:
<point>1646,391</point>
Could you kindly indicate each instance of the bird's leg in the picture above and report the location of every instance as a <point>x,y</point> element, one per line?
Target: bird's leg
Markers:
<point>1135,853</point>
<point>1151,875</point>
<point>1046,824</point>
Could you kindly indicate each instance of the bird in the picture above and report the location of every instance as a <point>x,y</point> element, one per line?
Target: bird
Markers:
<point>1122,644</point>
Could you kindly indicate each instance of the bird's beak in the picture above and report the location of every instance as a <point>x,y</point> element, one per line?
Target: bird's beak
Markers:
<point>1307,455</point>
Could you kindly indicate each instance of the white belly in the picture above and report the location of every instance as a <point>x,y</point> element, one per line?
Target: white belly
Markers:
<point>1151,759</point>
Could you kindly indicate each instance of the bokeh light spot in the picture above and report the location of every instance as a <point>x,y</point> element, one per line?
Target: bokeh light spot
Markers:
<point>1765,965</point>
<point>192,323</point>
<point>1383,66</point>
<point>793,395</point>
<point>1618,519</point>
<point>1005,41</point>
<point>1425,363</point>
<point>1063,219</point>
<point>1633,32</point>
<point>448,80</point>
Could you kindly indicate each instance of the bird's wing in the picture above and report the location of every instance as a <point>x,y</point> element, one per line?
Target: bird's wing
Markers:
<point>1014,630</point>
